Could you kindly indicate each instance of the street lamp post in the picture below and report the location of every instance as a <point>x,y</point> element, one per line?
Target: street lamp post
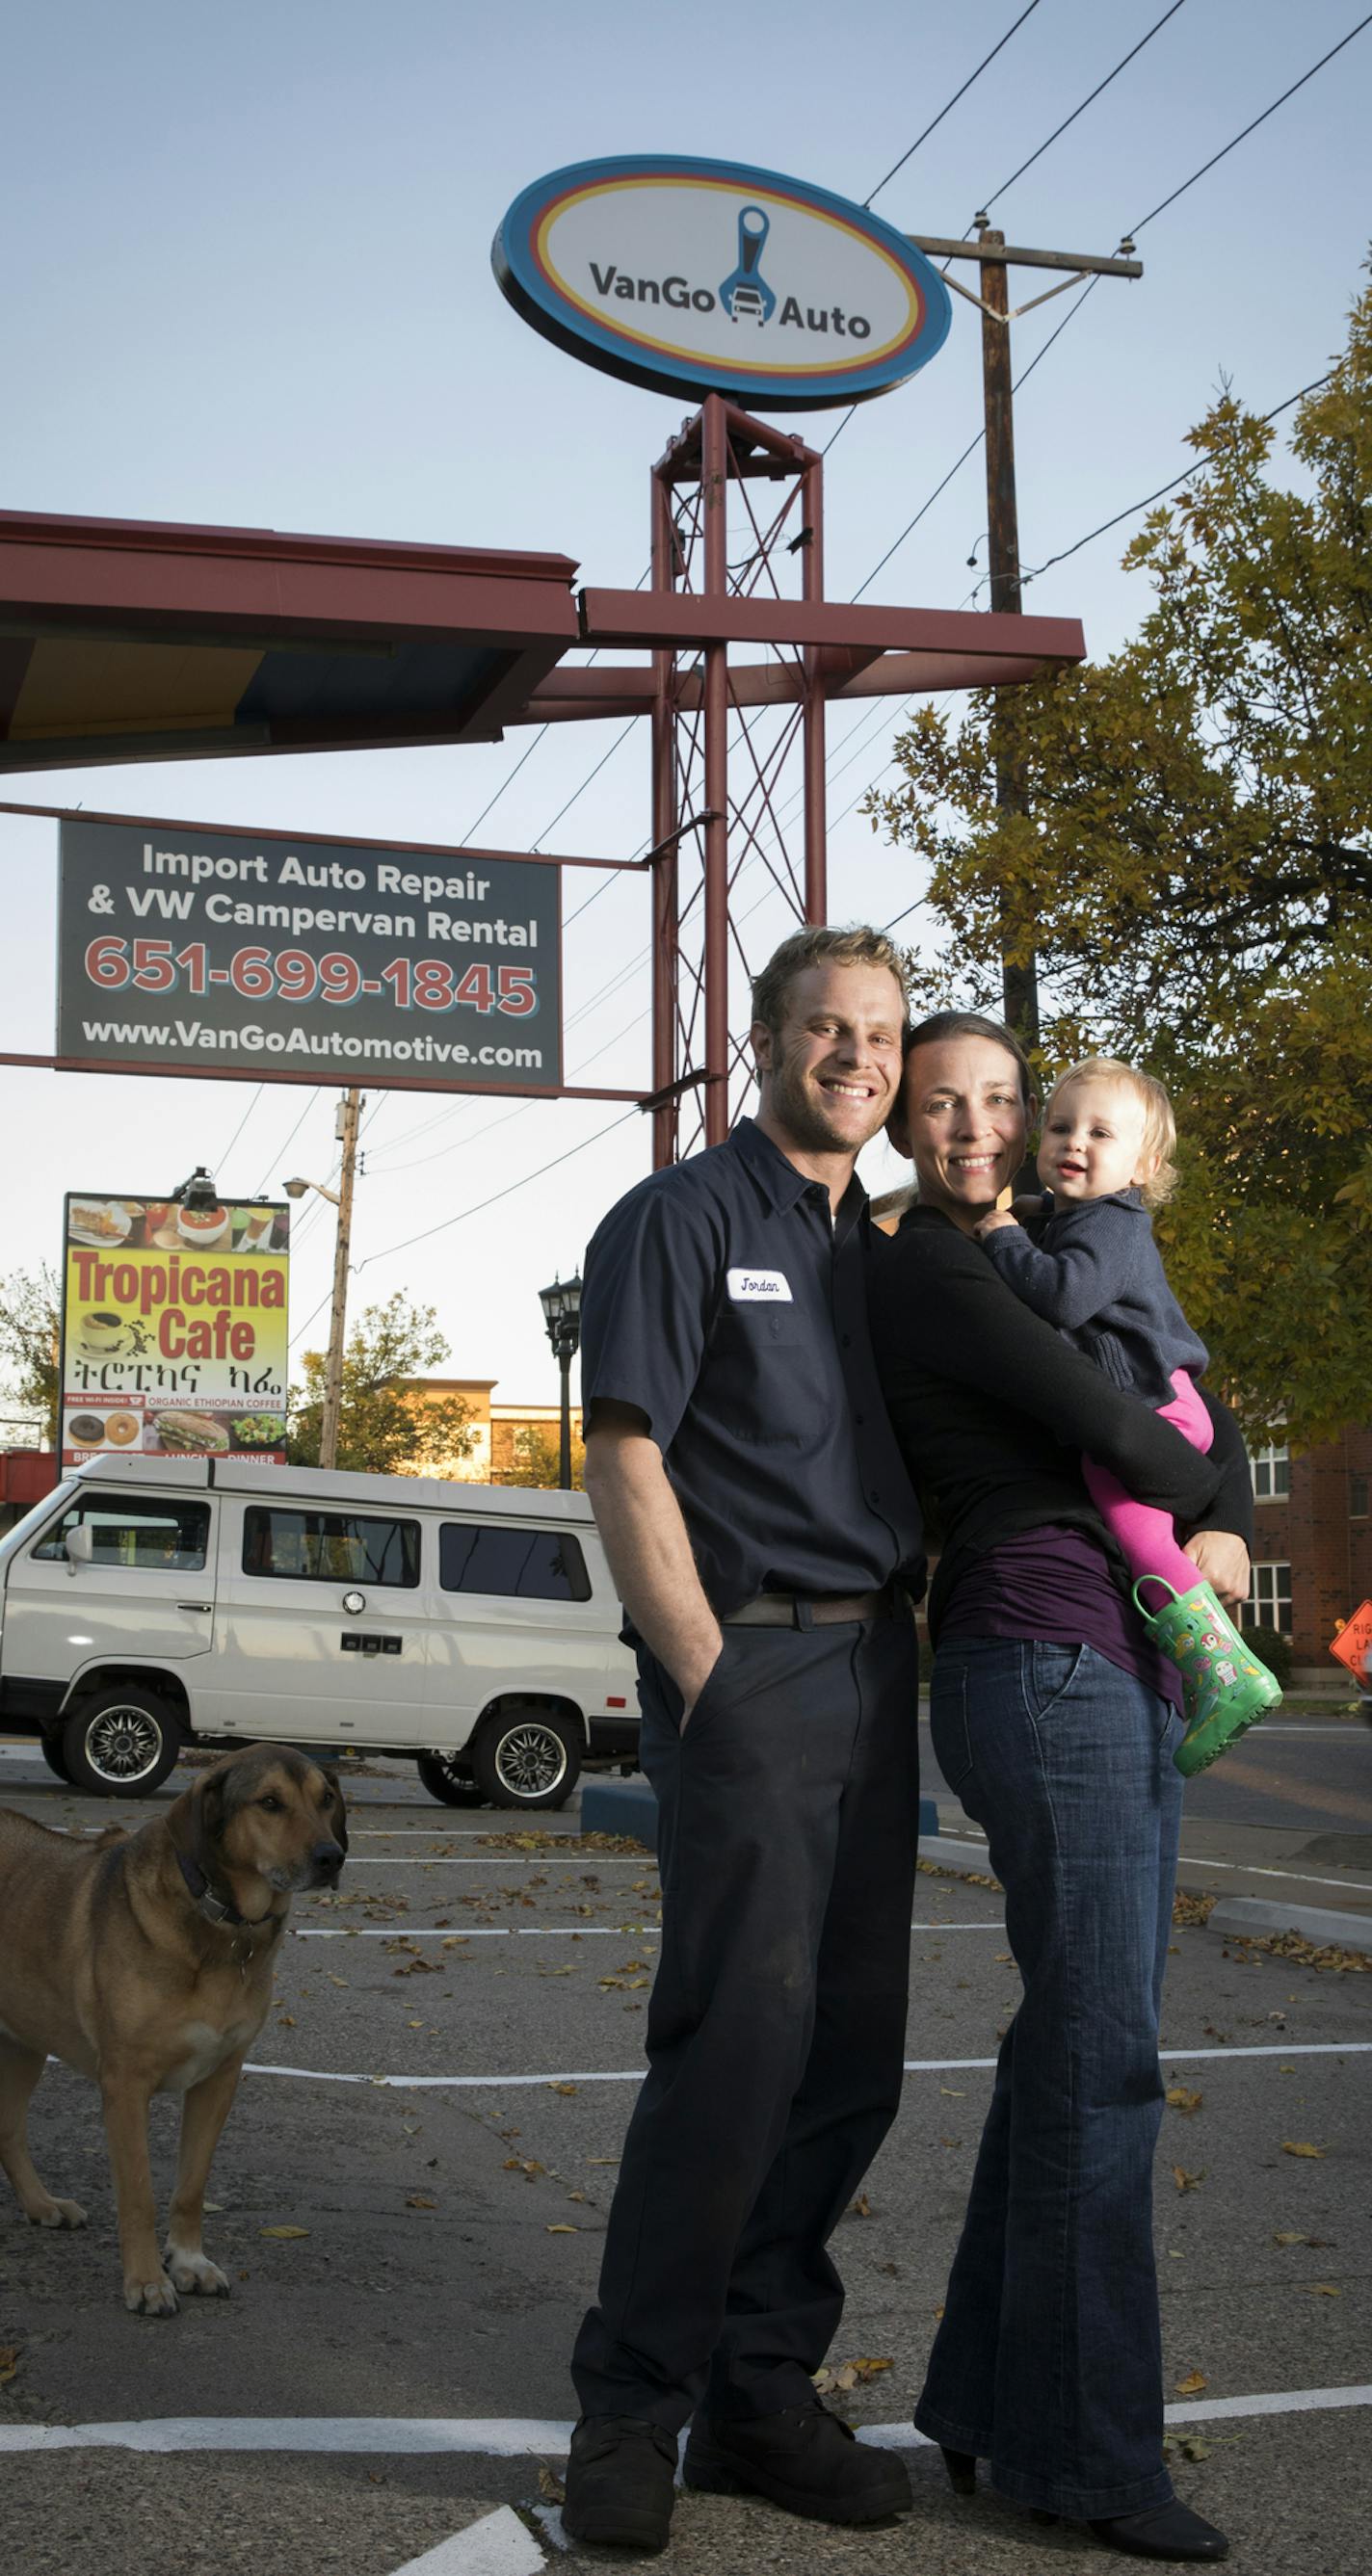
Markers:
<point>342,1199</point>
<point>561,1306</point>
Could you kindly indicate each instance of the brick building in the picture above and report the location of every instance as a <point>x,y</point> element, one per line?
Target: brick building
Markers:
<point>1312,1543</point>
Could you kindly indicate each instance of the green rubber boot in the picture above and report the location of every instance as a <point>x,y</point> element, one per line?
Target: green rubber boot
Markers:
<point>1224,1686</point>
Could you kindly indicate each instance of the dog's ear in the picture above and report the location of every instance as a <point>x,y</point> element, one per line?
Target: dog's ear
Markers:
<point>207,1819</point>
<point>340,1810</point>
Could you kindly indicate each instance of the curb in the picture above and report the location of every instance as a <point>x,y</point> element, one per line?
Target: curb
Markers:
<point>1240,1915</point>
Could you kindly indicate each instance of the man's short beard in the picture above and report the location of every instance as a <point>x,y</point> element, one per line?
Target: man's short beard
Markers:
<point>794,1109</point>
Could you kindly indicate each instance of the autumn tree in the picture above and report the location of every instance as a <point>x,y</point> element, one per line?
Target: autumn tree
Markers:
<point>30,1327</point>
<point>1194,868</point>
<point>383,1429</point>
<point>536,1456</point>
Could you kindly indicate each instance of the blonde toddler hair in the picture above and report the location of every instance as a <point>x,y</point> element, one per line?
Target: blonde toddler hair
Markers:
<point>1159,1125</point>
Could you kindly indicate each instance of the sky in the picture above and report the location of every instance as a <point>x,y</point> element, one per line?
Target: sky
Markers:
<point>250,284</point>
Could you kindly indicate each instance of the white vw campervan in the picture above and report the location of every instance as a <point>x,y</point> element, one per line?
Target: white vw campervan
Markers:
<point>148,1605</point>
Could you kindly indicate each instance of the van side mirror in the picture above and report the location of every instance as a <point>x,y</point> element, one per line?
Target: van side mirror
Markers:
<point>79,1546</point>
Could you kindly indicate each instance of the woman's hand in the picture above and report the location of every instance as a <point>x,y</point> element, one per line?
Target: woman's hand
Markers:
<point>1221,1560</point>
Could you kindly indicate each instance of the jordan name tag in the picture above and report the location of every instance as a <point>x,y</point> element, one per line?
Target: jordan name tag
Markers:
<point>758,1287</point>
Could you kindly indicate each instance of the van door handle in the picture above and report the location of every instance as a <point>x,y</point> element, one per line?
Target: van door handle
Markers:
<point>195,1605</point>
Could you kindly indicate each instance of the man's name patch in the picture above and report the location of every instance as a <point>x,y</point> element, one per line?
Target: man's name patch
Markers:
<point>758,1287</point>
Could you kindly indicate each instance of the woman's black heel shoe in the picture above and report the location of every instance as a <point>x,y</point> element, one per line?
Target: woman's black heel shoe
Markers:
<point>962,2470</point>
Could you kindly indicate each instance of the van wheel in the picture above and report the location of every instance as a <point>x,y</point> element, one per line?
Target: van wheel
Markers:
<point>441,1777</point>
<point>52,1755</point>
<point>526,1756</point>
<point>120,1743</point>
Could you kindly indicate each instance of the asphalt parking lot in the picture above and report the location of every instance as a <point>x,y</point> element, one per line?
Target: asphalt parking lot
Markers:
<point>413,2185</point>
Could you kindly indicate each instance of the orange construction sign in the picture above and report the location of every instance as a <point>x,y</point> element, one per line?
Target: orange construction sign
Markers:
<point>1354,1639</point>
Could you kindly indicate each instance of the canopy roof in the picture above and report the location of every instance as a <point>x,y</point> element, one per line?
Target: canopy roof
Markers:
<point>141,640</point>
<point>125,639</point>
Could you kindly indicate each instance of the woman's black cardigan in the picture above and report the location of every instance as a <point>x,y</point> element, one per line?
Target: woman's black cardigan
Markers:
<point>993,1410</point>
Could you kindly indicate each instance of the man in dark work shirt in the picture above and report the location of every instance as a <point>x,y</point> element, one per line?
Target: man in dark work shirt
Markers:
<point>758,1520</point>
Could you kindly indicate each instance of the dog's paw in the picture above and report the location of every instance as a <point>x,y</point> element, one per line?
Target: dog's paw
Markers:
<point>62,2213</point>
<point>150,2298</point>
<point>195,2275</point>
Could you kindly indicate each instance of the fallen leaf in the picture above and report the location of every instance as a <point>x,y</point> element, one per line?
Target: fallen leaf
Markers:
<point>1181,2098</point>
<point>861,2207</point>
<point>1324,2290</point>
<point>550,2486</point>
<point>1188,2181</point>
<point>561,2229</point>
<point>1291,2236</point>
<point>283,2231</point>
<point>333,1980</point>
<point>214,2207</point>
<point>419,2200</point>
<point>9,2360</point>
<point>1299,2147</point>
<point>1193,2446</point>
<point>953,2092</point>
<point>562,2088</point>
<point>1192,2385</point>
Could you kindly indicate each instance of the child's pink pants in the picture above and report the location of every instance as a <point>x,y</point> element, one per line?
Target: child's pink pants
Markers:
<point>1146,1536</point>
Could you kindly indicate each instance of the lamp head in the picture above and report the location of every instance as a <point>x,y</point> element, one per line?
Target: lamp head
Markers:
<point>295,1189</point>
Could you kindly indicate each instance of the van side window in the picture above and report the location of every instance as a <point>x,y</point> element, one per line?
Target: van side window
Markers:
<point>147,1535</point>
<point>330,1547</point>
<point>520,1565</point>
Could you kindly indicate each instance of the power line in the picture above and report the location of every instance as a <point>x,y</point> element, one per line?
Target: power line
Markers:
<point>1163,488</point>
<point>508,1192</point>
<point>1252,126</point>
<point>252,1104</point>
<point>1091,95</point>
<point>952,103</point>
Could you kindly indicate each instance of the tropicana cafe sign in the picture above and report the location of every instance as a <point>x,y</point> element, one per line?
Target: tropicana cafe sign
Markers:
<point>700,277</point>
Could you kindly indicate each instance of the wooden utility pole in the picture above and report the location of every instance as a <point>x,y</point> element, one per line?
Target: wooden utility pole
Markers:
<point>1019,973</point>
<point>338,1321</point>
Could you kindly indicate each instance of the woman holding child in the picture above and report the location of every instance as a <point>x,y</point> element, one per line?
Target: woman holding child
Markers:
<point>1055,1720</point>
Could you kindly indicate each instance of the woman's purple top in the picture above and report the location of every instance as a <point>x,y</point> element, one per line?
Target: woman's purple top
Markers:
<point>1054,1585</point>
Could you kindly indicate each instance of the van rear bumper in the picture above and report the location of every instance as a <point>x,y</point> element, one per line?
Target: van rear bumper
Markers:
<point>611,1738</point>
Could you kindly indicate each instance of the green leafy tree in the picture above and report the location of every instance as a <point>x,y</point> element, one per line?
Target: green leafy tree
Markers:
<point>536,1456</point>
<point>383,1429</point>
<point>30,1328</point>
<point>1195,871</point>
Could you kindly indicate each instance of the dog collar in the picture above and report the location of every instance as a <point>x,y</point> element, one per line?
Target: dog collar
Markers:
<point>207,1903</point>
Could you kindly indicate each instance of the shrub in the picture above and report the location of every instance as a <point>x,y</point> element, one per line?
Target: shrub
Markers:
<point>1274,1650</point>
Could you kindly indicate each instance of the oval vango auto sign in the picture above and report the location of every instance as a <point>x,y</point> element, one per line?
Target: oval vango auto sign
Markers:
<point>711,277</point>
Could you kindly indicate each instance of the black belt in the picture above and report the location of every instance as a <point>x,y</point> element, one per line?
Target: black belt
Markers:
<point>821,1610</point>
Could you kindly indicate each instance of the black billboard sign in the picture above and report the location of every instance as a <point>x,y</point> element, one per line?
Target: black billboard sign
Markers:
<point>183,949</point>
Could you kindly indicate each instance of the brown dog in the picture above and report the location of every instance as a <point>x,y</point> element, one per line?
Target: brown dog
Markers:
<point>145,1961</point>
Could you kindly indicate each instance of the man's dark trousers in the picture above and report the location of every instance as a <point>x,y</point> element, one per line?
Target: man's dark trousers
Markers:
<point>789,1815</point>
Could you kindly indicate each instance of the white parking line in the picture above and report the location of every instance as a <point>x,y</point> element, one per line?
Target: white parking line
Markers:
<point>498,2545</point>
<point>512,2437</point>
<point>635,2074</point>
<point>976,1843</point>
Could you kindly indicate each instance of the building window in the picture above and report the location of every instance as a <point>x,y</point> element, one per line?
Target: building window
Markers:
<point>1269,1601</point>
<point>1357,1498</point>
<point>1271,1474</point>
<point>512,1564</point>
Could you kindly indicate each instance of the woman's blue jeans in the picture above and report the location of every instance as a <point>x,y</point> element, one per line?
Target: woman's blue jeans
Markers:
<point>1048,2361</point>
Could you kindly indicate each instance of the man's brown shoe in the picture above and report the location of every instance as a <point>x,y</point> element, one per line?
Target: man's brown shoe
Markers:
<point>621,2483</point>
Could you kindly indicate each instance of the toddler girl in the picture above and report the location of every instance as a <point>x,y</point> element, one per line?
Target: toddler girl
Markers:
<point>1086,1261</point>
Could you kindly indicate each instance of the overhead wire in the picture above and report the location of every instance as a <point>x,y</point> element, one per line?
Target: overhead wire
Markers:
<point>950,104</point>
<point>1091,96</point>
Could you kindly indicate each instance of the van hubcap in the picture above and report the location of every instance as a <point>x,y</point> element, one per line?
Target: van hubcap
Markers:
<point>531,1760</point>
<point>123,1744</point>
